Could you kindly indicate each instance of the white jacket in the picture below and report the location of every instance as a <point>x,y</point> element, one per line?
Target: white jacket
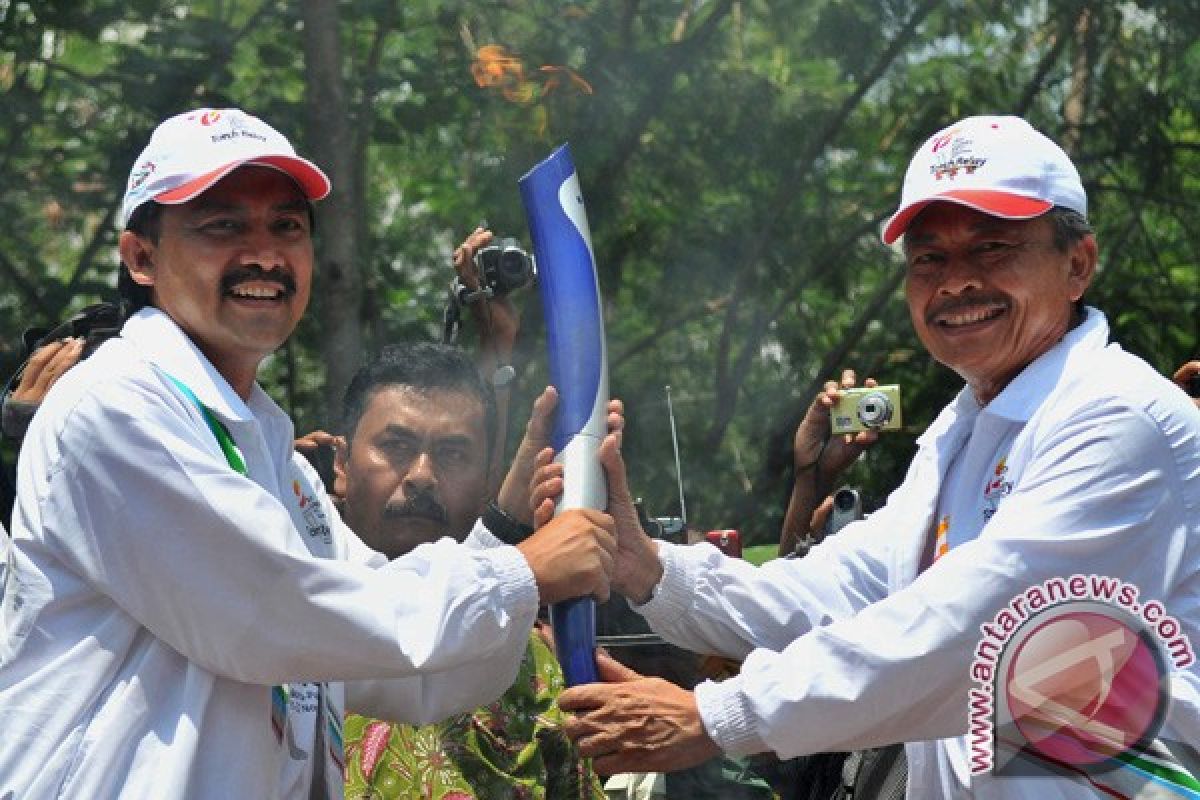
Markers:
<point>155,597</point>
<point>856,645</point>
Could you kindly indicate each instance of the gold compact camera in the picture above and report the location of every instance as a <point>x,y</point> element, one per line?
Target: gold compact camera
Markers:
<point>870,408</point>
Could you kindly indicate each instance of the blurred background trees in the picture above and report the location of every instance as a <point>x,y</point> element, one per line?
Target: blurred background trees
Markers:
<point>737,159</point>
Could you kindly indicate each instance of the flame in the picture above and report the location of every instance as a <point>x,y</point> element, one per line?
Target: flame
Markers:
<point>572,78</point>
<point>495,68</point>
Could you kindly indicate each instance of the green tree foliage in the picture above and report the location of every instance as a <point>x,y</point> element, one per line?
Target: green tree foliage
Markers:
<point>737,159</point>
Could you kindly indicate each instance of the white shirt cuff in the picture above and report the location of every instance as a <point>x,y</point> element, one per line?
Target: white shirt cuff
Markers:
<point>672,596</point>
<point>480,538</point>
<point>728,720</point>
<point>515,578</point>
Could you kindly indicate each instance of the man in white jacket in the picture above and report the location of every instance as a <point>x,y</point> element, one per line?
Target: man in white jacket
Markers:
<point>1062,456</point>
<point>183,614</point>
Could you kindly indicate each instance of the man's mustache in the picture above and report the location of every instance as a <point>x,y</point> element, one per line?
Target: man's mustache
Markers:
<point>419,505</point>
<point>244,274</point>
<point>968,301</point>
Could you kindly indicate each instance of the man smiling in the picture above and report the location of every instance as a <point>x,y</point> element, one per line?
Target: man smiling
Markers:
<point>183,614</point>
<point>1062,455</point>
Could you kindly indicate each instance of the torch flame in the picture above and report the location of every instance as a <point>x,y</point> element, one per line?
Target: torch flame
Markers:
<point>495,68</point>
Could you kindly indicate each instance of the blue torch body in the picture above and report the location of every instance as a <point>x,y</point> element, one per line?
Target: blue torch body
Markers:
<point>578,362</point>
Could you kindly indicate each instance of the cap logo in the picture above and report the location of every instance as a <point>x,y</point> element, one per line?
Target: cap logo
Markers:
<point>237,128</point>
<point>943,140</point>
<point>210,118</point>
<point>140,174</point>
<point>957,158</point>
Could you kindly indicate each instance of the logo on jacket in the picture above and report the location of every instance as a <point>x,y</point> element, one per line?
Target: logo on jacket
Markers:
<point>998,487</point>
<point>315,521</point>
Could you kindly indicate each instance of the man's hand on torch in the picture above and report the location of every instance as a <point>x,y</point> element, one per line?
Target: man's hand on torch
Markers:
<point>631,723</point>
<point>636,570</point>
<point>572,555</point>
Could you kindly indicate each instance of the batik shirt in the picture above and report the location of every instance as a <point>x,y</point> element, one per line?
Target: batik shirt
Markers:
<point>512,749</point>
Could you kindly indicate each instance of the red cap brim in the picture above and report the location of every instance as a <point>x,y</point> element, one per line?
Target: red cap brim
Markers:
<point>312,181</point>
<point>989,201</point>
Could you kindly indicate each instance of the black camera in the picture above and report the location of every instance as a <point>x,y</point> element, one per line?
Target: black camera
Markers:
<point>1193,386</point>
<point>847,507</point>
<point>503,266</point>
<point>93,324</point>
<point>673,529</point>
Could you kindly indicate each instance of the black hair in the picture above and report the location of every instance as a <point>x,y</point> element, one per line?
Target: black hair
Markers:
<point>423,366</point>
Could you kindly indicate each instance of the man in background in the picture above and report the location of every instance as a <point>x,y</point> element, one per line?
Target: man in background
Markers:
<point>420,426</point>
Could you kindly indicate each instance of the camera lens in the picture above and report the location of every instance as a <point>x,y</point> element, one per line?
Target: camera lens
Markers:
<point>874,410</point>
<point>512,268</point>
<point>843,500</point>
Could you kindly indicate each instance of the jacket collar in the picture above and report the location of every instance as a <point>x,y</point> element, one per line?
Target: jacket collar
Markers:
<point>164,344</point>
<point>1025,393</point>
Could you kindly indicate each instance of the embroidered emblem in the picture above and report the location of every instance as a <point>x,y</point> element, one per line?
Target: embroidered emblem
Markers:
<point>998,487</point>
<point>315,521</point>
<point>141,173</point>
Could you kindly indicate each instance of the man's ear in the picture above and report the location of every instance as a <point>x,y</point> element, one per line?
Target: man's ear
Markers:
<point>1085,255</point>
<point>137,254</point>
<point>340,453</point>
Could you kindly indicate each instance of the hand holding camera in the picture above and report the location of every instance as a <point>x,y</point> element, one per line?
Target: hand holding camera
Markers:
<point>820,445</point>
<point>488,267</point>
<point>487,270</point>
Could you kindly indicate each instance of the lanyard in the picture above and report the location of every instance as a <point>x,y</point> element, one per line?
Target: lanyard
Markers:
<point>216,426</point>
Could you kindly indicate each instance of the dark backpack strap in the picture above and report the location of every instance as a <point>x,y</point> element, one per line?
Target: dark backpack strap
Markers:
<point>878,774</point>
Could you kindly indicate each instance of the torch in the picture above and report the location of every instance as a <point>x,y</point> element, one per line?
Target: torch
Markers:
<point>562,245</point>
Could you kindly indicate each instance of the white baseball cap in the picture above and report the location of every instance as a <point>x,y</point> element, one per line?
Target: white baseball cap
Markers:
<point>998,165</point>
<point>191,151</point>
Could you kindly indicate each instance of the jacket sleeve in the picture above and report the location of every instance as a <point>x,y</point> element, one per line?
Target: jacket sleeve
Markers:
<point>135,500</point>
<point>711,603</point>
<point>1099,491</point>
<point>429,697</point>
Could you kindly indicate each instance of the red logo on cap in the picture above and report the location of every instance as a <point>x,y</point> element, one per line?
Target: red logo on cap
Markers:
<point>210,117</point>
<point>141,174</point>
<point>943,140</point>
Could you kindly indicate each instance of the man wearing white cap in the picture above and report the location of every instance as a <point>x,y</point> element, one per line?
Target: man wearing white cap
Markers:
<point>1062,456</point>
<point>181,604</point>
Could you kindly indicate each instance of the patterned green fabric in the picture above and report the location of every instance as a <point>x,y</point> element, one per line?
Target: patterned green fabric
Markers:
<point>511,749</point>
